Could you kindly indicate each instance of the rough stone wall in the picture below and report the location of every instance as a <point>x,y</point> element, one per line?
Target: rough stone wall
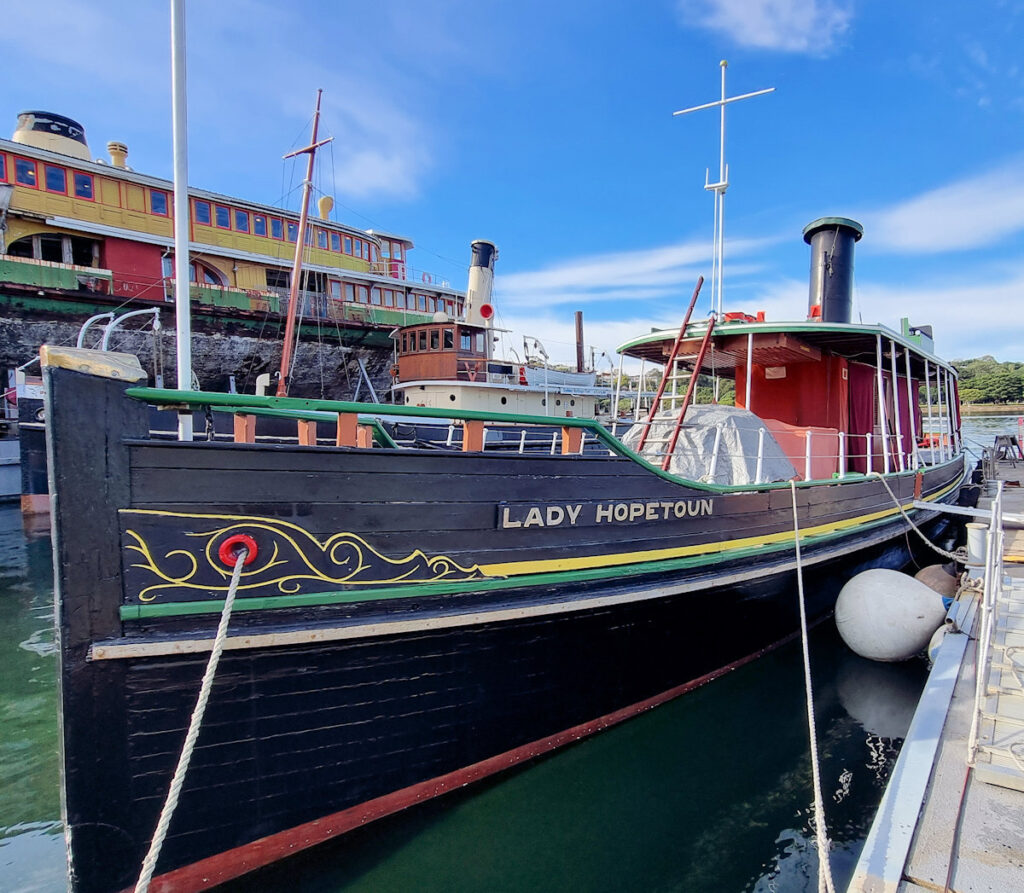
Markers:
<point>322,368</point>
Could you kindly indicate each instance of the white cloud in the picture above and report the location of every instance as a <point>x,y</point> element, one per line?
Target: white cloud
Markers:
<point>960,332</point>
<point>629,276</point>
<point>974,212</point>
<point>253,67</point>
<point>794,26</point>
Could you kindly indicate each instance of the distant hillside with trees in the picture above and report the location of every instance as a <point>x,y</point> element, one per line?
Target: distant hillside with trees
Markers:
<point>983,380</point>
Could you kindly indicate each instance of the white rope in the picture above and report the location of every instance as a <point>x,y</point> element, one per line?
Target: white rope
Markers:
<point>149,863</point>
<point>825,882</point>
<point>952,556</point>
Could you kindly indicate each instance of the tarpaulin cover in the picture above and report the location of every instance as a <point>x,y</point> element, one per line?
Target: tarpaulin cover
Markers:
<point>737,449</point>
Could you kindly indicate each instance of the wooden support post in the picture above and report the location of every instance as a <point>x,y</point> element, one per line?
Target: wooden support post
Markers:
<point>472,436</point>
<point>348,422</point>
<point>307,432</point>
<point>571,440</point>
<point>245,428</point>
<point>364,437</point>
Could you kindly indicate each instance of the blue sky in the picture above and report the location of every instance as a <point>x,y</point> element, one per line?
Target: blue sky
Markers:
<point>547,127</point>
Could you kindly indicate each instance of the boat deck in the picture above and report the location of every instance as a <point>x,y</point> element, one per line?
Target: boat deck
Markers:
<point>942,824</point>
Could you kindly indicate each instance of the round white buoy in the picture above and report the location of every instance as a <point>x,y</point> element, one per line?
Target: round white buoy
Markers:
<point>885,615</point>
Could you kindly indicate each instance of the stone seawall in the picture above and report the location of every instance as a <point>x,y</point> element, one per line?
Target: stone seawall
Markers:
<point>322,368</point>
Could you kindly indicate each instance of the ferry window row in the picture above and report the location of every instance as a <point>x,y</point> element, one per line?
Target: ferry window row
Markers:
<point>237,220</point>
<point>49,177</point>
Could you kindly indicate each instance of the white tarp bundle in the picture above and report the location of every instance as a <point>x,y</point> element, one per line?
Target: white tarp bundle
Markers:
<point>737,449</point>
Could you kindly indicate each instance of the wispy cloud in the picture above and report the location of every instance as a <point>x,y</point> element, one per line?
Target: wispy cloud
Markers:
<point>970,213</point>
<point>792,26</point>
<point>250,62</point>
<point>630,276</point>
<point>966,316</point>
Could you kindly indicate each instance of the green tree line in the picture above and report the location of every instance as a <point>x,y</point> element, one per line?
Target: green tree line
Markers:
<point>983,380</point>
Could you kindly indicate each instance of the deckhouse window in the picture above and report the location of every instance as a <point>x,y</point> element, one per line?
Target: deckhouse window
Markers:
<point>3,167</point>
<point>466,341</point>
<point>423,302</point>
<point>375,296</point>
<point>396,251</point>
<point>223,216</point>
<point>56,179</point>
<point>449,339</point>
<point>276,228</point>
<point>435,339</point>
<point>350,291</point>
<point>25,172</point>
<point>259,225</point>
<point>83,186</point>
<point>158,202</point>
<point>335,242</point>
<point>423,340</point>
<point>362,292</point>
<point>321,239</point>
<point>202,212</point>
<point>359,248</point>
<point>348,244</point>
<point>293,231</point>
<point>241,221</point>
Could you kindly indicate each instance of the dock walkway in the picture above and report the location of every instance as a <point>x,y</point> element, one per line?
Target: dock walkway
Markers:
<point>947,822</point>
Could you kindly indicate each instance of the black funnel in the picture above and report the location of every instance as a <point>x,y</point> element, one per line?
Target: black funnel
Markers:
<point>832,240</point>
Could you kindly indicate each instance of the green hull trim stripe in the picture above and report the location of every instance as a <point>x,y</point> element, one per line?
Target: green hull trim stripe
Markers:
<point>317,599</point>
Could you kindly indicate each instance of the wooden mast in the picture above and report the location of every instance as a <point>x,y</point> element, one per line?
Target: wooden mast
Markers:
<point>300,243</point>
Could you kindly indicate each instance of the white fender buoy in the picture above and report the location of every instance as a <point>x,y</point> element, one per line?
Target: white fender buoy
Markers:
<point>885,615</point>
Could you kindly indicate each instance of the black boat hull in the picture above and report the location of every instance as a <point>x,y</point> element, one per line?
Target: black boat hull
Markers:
<point>414,620</point>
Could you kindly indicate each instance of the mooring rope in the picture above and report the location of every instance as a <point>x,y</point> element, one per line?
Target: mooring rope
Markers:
<point>952,556</point>
<point>825,882</point>
<point>195,724</point>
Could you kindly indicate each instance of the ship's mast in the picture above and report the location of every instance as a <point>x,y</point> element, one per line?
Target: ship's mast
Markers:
<point>182,308</point>
<point>300,244</point>
<point>718,250</point>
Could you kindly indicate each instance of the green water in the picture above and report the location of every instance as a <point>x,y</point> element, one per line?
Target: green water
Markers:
<point>31,835</point>
<point>709,793</point>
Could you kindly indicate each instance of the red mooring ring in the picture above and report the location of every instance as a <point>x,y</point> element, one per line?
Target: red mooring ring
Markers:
<point>229,549</point>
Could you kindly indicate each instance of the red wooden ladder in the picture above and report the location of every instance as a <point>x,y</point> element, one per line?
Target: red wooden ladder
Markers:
<point>673,375</point>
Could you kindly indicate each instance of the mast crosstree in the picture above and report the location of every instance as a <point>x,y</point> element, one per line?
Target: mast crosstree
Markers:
<point>718,251</point>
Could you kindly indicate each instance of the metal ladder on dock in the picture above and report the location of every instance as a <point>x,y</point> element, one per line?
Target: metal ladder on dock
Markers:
<point>996,748</point>
<point>673,379</point>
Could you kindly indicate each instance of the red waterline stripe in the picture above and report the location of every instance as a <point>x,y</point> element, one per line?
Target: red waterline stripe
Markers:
<point>234,863</point>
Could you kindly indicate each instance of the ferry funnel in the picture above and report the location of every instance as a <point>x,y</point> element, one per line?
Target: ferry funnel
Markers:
<point>832,240</point>
<point>479,311</point>
<point>45,130</point>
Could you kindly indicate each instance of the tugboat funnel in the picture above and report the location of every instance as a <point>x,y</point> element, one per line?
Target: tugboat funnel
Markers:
<point>832,240</point>
<point>479,311</point>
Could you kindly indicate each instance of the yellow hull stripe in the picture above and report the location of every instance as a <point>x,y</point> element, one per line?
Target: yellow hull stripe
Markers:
<point>517,568</point>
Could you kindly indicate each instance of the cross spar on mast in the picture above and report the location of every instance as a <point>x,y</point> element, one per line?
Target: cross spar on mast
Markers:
<point>300,243</point>
<point>718,250</point>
